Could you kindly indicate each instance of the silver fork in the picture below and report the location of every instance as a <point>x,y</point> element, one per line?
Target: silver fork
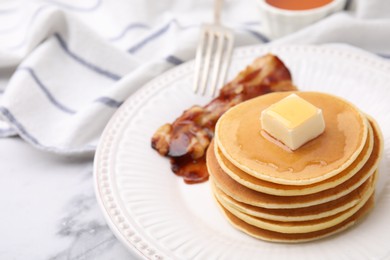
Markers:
<point>213,55</point>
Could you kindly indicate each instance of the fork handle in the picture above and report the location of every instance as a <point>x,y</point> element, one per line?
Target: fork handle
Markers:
<point>217,11</point>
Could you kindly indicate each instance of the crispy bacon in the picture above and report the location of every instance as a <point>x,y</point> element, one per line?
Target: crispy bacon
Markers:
<point>185,141</point>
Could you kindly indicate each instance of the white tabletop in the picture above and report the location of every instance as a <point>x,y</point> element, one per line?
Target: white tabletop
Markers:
<point>49,210</point>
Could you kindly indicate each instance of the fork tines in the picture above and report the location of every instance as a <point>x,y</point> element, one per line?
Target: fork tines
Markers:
<point>213,56</point>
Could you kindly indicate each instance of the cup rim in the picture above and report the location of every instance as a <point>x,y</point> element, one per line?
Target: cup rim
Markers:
<point>320,9</point>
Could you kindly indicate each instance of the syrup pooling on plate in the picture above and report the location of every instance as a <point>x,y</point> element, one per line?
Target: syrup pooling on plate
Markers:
<point>192,170</point>
<point>185,140</point>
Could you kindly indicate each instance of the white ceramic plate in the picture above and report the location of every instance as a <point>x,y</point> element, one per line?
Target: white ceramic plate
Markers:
<point>157,216</point>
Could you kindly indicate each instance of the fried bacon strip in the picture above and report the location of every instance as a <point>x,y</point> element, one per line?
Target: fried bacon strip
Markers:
<point>186,140</point>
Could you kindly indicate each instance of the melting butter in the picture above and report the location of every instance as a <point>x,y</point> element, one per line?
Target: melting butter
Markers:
<point>293,121</point>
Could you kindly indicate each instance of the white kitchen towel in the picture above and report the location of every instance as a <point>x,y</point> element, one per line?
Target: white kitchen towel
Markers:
<point>66,66</point>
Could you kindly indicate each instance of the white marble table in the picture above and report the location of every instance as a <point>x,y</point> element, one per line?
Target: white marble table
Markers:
<point>49,209</point>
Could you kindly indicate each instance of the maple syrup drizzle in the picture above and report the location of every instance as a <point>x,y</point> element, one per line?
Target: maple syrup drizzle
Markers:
<point>194,170</point>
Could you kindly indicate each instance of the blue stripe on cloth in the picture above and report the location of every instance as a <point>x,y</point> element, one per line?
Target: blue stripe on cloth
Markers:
<point>109,102</point>
<point>22,22</point>
<point>257,34</point>
<point>383,55</point>
<point>38,11</point>
<point>8,11</point>
<point>35,15</point>
<point>87,64</point>
<point>105,100</point>
<point>95,6</point>
<point>150,38</point>
<point>128,28</point>
<point>22,131</point>
<point>164,29</point>
<point>174,60</point>
<point>252,23</point>
<point>7,132</point>
<point>45,90</point>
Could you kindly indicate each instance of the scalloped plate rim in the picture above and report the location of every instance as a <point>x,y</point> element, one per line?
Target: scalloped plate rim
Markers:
<point>114,222</point>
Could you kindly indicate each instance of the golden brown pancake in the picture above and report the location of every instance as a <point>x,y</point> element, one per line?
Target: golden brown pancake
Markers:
<point>299,237</point>
<point>249,196</point>
<point>306,226</point>
<point>281,195</point>
<point>238,136</point>
<point>297,214</point>
<point>292,190</point>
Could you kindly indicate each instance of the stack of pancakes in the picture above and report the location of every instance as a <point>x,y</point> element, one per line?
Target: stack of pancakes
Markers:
<point>275,194</point>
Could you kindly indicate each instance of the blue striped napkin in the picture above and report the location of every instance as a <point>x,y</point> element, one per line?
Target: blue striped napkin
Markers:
<point>67,65</point>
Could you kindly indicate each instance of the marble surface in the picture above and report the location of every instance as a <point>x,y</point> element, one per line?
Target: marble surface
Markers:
<point>49,208</point>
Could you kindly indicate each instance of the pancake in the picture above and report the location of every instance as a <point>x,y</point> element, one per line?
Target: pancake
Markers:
<point>300,237</point>
<point>248,196</point>
<point>297,214</point>
<point>294,190</point>
<point>303,226</point>
<point>238,136</point>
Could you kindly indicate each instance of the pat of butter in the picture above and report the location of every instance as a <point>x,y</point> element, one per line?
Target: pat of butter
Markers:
<point>293,121</point>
